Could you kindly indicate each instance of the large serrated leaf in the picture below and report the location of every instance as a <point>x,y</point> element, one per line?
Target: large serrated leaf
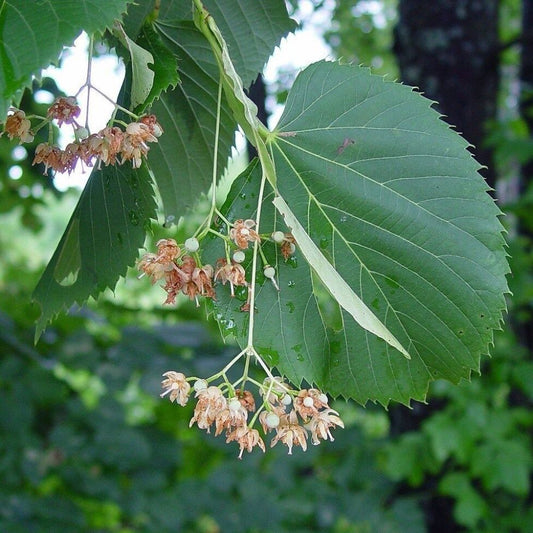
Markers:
<point>102,238</point>
<point>392,198</point>
<point>34,34</point>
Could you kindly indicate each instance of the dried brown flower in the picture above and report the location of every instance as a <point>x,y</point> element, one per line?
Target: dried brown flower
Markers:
<point>242,233</point>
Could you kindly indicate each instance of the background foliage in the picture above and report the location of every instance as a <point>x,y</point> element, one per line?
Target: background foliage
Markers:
<point>86,445</point>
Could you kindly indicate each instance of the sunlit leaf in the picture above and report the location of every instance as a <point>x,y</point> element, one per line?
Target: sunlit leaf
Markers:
<point>165,65</point>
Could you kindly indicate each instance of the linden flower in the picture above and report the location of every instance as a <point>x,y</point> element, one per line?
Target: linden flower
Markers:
<point>232,272</point>
<point>288,247</point>
<point>51,156</point>
<point>210,402</point>
<point>247,399</point>
<point>320,425</point>
<point>274,388</point>
<point>176,384</point>
<point>309,402</point>
<point>151,265</point>
<point>202,279</point>
<point>111,145</point>
<point>134,145</point>
<point>17,125</point>
<point>234,415</point>
<point>247,439</point>
<point>290,433</point>
<point>242,233</point>
<point>69,156</point>
<point>65,110</point>
<point>167,250</point>
<point>153,126</point>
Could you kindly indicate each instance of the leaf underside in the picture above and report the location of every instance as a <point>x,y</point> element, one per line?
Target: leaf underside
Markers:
<point>393,199</point>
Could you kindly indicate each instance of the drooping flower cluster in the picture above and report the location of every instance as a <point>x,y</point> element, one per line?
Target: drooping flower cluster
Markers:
<point>111,145</point>
<point>182,273</point>
<point>291,415</point>
<point>179,271</point>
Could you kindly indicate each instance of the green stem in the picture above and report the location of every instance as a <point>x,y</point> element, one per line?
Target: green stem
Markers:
<point>88,80</point>
<point>251,289</point>
<point>215,154</point>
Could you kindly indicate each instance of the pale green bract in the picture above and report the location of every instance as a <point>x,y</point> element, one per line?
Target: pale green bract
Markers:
<point>334,282</point>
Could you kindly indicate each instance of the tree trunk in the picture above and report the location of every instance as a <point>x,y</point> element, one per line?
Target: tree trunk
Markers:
<point>449,50</point>
<point>524,328</point>
<point>257,94</point>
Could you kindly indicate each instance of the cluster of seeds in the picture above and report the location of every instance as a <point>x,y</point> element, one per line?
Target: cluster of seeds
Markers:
<point>110,145</point>
<point>291,415</point>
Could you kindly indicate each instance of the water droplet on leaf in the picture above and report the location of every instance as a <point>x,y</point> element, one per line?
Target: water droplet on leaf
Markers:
<point>134,217</point>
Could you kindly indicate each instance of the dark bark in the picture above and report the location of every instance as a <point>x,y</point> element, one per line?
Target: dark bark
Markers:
<point>524,328</point>
<point>257,94</point>
<point>449,50</point>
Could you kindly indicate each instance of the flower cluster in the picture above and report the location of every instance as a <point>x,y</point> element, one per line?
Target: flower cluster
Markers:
<point>291,415</point>
<point>179,271</point>
<point>182,273</point>
<point>110,145</point>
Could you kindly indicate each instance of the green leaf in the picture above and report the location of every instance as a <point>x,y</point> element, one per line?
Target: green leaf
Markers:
<point>334,282</point>
<point>182,160</point>
<point>504,464</point>
<point>165,65</point>
<point>102,238</point>
<point>141,75</point>
<point>470,506</point>
<point>252,30</point>
<point>391,197</point>
<point>182,163</point>
<point>46,27</point>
